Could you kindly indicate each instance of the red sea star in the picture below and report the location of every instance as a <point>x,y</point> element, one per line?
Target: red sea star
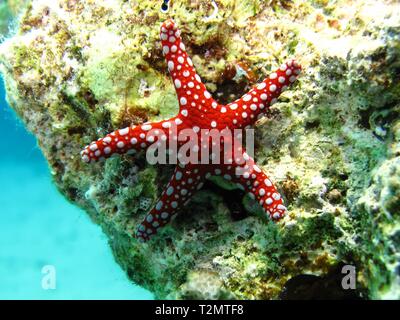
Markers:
<point>199,111</point>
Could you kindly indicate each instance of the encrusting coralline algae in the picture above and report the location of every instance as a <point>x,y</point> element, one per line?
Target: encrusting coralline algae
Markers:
<point>76,70</point>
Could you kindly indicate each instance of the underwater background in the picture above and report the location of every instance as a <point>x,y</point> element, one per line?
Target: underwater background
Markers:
<point>38,227</point>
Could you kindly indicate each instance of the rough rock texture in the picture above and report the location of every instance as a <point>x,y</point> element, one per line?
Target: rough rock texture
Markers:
<point>76,70</point>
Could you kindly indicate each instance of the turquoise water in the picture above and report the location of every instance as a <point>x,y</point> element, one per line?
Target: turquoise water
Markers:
<point>39,228</point>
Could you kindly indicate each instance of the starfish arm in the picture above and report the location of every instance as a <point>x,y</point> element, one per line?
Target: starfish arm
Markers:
<point>190,90</point>
<point>246,110</point>
<point>184,182</point>
<point>127,140</point>
<point>254,180</point>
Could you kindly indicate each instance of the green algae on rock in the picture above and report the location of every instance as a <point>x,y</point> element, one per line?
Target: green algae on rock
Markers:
<point>5,18</point>
<point>79,69</point>
<point>9,9</point>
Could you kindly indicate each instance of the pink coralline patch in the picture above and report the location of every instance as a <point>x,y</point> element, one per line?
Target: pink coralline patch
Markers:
<point>199,111</point>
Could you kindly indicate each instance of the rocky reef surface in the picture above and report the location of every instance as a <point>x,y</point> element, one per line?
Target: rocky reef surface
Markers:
<point>76,70</point>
